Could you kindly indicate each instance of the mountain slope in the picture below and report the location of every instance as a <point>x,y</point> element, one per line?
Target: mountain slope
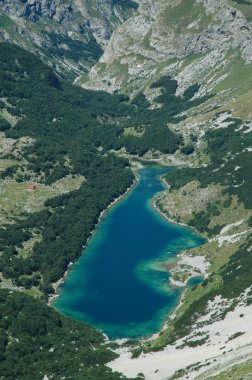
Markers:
<point>208,43</point>
<point>192,41</point>
<point>70,36</point>
<point>38,343</point>
<point>185,67</point>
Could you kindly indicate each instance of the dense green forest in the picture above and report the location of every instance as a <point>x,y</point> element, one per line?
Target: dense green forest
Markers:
<point>68,125</point>
<point>74,131</point>
<point>36,341</point>
<point>63,120</point>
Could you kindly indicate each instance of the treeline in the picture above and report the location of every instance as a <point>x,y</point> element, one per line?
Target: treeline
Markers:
<point>68,124</point>
<point>154,121</point>
<point>74,131</point>
<point>229,151</point>
<point>63,120</point>
<point>65,225</point>
<point>36,341</point>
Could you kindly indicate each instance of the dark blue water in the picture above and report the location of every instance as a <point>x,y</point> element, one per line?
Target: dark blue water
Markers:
<point>118,285</point>
<point>195,281</point>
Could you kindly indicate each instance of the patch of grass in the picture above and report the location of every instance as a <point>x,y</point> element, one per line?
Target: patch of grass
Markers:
<point>236,372</point>
<point>187,13</point>
<point>83,79</point>
<point>245,6</point>
<point>16,199</point>
<point>27,246</point>
<point>5,21</point>
<point>34,292</point>
<point>242,105</point>
<point>238,81</point>
<point>131,131</point>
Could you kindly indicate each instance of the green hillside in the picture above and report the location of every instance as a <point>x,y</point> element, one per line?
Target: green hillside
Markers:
<point>87,89</point>
<point>36,342</point>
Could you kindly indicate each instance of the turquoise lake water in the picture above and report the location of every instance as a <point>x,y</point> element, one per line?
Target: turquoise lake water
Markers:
<point>118,285</point>
<point>195,281</point>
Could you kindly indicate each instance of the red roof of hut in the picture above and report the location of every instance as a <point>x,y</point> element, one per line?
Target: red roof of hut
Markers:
<point>31,187</point>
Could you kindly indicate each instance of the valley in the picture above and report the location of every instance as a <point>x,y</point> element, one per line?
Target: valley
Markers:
<point>87,89</point>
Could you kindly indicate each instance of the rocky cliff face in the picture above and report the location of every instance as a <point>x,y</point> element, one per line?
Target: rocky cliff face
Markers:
<point>71,34</point>
<point>191,40</point>
<point>135,43</point>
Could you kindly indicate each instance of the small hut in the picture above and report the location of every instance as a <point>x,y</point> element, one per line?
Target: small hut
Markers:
<point>31,187</point>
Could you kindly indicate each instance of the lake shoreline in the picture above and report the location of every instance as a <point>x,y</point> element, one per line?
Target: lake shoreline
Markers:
<point>164,216</point>
<point>177,259</point>
<point>174,262</point>
<point>139,163</point>
<point>56,285</point>
<point>165,185</point>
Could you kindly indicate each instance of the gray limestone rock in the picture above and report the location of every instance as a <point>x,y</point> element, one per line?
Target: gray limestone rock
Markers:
<point>162,30</point>
<point>89,25</point>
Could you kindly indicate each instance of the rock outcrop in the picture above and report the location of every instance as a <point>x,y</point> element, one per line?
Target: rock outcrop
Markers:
<point>163,37</point>
<point>70,34</point>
